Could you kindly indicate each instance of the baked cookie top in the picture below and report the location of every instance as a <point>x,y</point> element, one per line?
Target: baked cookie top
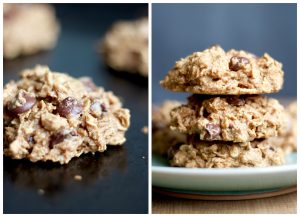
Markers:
<point>229,118</point>
<point>28,29</point>
<point>216,72</point>
<point>53,116</point>
<point>125,46</point>
<point>218,154</point>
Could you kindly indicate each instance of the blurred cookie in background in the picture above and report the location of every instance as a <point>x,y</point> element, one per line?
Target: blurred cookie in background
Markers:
<point>28,29</point>
<point>287,137</point>
<point>125,46</point>
<point>162,136</point>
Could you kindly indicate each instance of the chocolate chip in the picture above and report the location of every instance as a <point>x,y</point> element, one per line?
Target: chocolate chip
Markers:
<point>11,12</point>
<point>103,107</point>
<point>88,83</point>
<point>205,113</point>
<point>57,138</point>
<point>237,63</point>
<point>30,140</point>
<point>69,106</point>
<point>97,107</point>
<point>60,137</point>
<point>271,148</point>
<point>73,133</point>
<point>23,103</point>
<point>243,85</point>
<point>213,130</point>
<point>235,100</point>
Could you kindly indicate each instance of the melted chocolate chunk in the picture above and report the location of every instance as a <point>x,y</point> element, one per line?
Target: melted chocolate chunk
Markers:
<point>56,138</point>
<point>235,100</point>
<point>213,130</point>
<point>236,63</point>
<point>60,137</point>
<point>69,106</point>
<point>27,102</point>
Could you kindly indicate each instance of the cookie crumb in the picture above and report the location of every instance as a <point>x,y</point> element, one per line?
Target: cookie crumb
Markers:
<point>145,130</point>
<point>41,191</point>
<point>78,177</point>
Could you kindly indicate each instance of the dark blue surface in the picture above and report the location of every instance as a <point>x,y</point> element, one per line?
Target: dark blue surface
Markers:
<point>180,29</point>
<point>115,181</point>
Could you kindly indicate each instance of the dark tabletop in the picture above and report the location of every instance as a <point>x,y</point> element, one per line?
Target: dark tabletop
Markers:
<point>115,181</point>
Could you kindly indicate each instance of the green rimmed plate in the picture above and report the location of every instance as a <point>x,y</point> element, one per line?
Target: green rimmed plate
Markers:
<point>227,181</point>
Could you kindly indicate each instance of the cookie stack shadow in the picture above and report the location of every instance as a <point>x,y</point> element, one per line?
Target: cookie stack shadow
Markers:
<point>226,121</point>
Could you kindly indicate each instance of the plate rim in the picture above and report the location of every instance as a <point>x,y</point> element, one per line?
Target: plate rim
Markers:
<point>224,171</point>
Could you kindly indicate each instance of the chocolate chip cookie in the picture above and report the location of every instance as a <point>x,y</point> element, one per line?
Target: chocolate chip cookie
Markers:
<point>52,116</point>
<point>216,72</point>
<point>162,136</point>
<point>229,118</point>
<point>219,154</point>
<point>28,29</point>
<point>125,46</point>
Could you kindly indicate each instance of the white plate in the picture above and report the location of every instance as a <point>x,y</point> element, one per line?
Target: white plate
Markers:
<point>224,180</point>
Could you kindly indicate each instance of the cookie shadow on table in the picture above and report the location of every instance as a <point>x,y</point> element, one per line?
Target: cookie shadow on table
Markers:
<point>135,78</point>
<point>54,178</point>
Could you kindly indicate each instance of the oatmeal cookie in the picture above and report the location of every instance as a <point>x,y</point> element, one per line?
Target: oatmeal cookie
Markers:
<point>287,138</point>
<point>125,46</point>
<point>162,136</point>
<point>229,118</point>
<point>216,72</point>
<point>28,29</point>
<point>219,154</point>
<point>52,116</point>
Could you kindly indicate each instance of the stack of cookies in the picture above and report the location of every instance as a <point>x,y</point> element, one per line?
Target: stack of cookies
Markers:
<point>227,122</point>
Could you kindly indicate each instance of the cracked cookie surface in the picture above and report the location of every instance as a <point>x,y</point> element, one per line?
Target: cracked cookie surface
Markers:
<point>162,136</point>
<point>53,116</point>
<point>218,154</point>
<point>216,72</point>
<point>229,118</point>
<point>125,46</point>
<point>28,29</point>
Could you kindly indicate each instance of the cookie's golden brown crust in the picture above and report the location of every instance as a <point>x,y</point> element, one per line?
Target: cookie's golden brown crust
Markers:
<point>204,154</point>
<point>52,116</point>
<point>229,118</point>
<point>216,72</point>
